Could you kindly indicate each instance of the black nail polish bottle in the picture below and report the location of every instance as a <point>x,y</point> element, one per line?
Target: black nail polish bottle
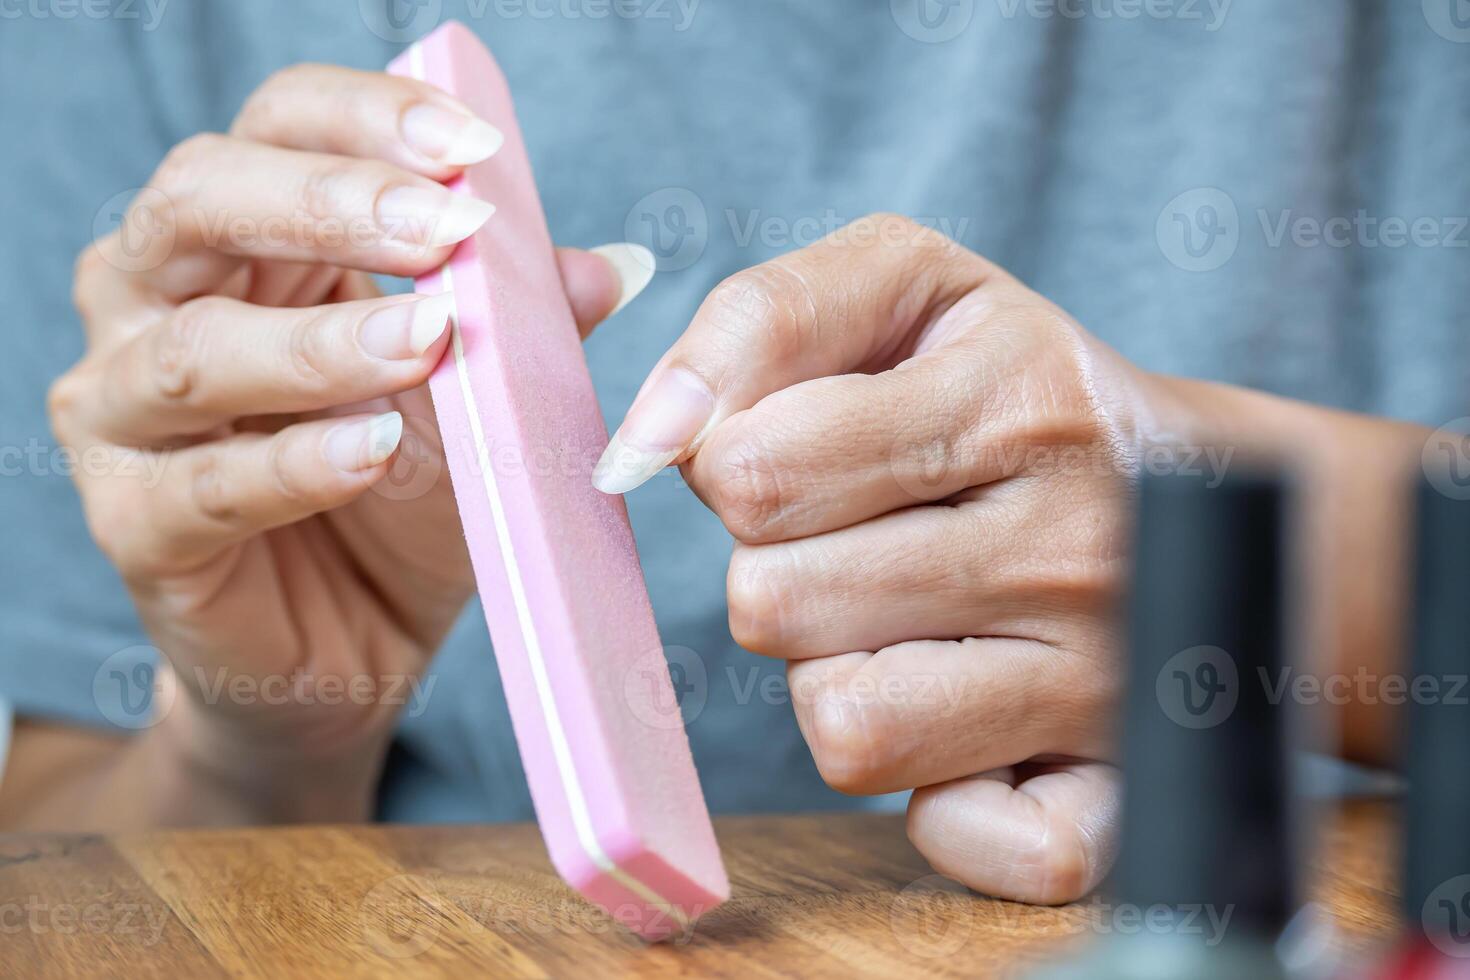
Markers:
<point>1436,758</point>
<point>1203,885</point>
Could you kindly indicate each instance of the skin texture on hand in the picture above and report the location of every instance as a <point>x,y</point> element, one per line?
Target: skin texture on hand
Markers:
<point>254,390</point>
<point>928,471</point>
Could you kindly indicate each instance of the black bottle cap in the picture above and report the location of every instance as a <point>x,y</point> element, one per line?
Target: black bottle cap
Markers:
<point>1436,890</point>
<point>1206,815</point>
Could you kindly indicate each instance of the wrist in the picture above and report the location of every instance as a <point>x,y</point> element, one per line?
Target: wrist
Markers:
<point>212,767</point>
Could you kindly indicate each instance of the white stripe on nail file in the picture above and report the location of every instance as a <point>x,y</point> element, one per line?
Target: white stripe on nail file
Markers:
<point>610,773</point>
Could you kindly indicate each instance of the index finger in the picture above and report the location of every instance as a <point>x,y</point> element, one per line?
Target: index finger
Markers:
<point>372,115</point>
<point>855,302</point>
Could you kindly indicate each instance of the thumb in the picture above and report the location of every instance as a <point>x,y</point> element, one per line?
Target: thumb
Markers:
<point>602,281</point>
<point>1046,839</point>
<point>855,301</point>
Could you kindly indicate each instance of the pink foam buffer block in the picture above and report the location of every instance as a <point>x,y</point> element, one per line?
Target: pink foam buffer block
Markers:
<point>608,762</point>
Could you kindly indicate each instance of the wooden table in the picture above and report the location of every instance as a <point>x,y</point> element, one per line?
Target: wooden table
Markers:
<point>819,895</point>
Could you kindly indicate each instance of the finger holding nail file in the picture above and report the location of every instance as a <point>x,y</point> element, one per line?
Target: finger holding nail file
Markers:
<point>616,793</point>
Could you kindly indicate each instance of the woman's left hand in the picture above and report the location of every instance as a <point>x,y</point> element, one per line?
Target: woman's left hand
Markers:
<point>926,467</point>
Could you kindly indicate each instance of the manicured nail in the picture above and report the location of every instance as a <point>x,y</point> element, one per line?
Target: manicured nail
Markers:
<point>662,423</point>
<point>634,265</point>
<point>407,328</point>
<point>363,443</point>
<point>431,216</point>
<point>449,137</point>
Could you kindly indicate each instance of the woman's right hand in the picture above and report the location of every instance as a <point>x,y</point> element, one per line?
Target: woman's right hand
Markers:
<point>243,389</point>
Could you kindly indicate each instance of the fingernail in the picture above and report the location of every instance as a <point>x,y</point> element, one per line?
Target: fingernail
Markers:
<point>430,216</point>
<point>406,329</point>
<point>449,137</point>
<point>363,443</point>
<point>662,423</point>
<point>634,265</point>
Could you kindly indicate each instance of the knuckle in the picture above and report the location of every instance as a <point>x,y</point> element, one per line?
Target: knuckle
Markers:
<point>746,489</point>
<point>178,348</point>
<point>210,491</point>
<point>754,606</point>
<point>850,741</point>
<point>109,517</point>
<point>307,355</point>
<point>768,309</point>
<point>325,191</point>
<point>63,397</point>
<point>284,477</point>
<point>187,161</point>
<point>87,270</point>
<point>274,95</point>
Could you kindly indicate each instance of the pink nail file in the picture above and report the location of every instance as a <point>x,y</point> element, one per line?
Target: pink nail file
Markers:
<point>615,790</point>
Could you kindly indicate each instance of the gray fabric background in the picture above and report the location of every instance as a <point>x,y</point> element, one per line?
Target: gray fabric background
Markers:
<point>1052,139</point>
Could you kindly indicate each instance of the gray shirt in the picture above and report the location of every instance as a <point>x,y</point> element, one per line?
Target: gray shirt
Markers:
<point>1272,194</point>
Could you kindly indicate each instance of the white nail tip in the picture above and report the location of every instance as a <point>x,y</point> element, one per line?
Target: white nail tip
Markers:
<point>477,141</point>
<point>384,434</point>
<point>430,318</point>
<point>624,467</point>
<point>460,220</point>
<point>635,266</point>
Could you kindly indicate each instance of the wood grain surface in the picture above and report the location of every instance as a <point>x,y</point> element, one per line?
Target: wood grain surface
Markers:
<point>814,896</point>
